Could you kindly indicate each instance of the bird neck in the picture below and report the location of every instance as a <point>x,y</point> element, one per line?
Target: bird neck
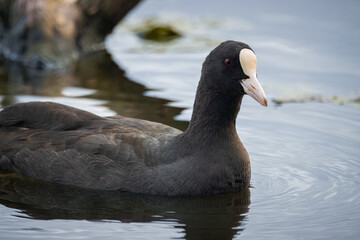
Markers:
<point>212,127</point>
<point>214,114</point>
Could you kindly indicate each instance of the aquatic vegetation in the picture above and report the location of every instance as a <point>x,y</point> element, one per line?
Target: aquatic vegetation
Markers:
<point>160,33</point>
<point>315,98</point>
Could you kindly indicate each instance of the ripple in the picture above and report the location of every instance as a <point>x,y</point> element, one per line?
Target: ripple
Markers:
<point>305,172</point>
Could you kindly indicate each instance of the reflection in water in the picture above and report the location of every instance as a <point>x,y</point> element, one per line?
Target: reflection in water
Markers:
<point>95,71</point>
<point>217,217</point>
<point>304,157</point>
<point>16,79</point>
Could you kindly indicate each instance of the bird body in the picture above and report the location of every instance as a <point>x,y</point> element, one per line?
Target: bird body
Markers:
<point>58,143</point>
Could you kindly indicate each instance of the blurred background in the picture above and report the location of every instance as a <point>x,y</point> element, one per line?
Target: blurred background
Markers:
<point>143,59</point>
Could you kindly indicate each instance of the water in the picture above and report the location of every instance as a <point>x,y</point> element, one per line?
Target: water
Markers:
<point>304,147</point>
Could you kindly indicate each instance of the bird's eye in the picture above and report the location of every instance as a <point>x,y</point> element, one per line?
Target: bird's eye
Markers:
<point>228,62</point>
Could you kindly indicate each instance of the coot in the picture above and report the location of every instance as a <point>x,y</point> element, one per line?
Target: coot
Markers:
<point>58,143</point>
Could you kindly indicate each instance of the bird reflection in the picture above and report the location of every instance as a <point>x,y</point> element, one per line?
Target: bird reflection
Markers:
<point>215,217</point>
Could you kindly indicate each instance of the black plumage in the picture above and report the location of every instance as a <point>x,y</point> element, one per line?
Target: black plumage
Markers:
<point>57,143</point>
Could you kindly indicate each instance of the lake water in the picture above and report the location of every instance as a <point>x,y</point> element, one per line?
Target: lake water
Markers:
<point>304,147</point>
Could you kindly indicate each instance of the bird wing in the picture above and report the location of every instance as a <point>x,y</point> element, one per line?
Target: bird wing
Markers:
<point>53,142</point>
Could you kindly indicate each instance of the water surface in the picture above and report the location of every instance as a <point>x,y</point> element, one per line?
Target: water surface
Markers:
<point>304,147</point>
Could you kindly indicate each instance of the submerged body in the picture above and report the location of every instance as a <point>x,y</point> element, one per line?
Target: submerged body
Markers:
<point>57,143</point>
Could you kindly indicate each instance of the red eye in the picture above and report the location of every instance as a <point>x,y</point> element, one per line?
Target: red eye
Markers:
<point>228,62</point>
